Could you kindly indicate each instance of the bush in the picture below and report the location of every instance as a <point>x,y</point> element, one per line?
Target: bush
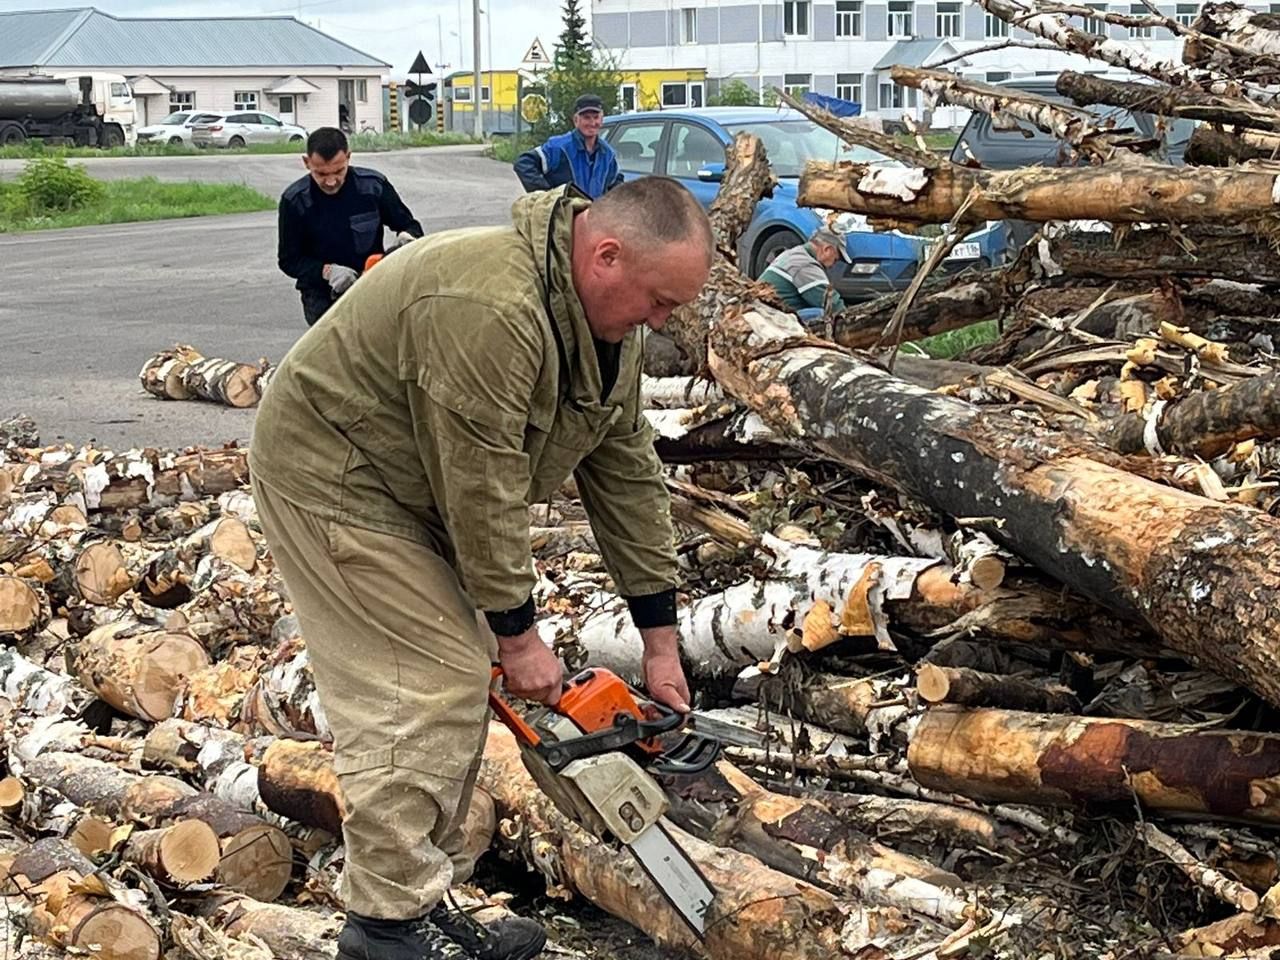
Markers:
<point>49,185</point>
<point>734,93</point>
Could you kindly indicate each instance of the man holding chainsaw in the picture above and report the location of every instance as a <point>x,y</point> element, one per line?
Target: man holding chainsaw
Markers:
<point>331,222</point>
<point>395,457</point>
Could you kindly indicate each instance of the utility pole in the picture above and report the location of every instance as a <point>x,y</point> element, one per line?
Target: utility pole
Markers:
<point>477,100</point>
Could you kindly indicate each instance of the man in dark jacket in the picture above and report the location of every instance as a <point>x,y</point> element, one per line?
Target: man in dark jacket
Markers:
<point>579,157</point>
<point>331,221</point>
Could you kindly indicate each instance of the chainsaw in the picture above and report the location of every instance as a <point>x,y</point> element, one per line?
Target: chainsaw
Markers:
<point>594,753</point>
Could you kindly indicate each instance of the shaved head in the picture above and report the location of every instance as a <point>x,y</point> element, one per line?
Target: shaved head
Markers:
<point>640,251</point>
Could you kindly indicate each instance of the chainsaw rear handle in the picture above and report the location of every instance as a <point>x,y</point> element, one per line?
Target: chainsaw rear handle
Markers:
<point>508,714</point>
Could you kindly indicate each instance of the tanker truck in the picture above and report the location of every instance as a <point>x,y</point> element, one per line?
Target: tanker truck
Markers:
<point>94,110</point>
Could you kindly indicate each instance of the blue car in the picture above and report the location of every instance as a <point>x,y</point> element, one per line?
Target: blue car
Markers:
<point>688,145</point>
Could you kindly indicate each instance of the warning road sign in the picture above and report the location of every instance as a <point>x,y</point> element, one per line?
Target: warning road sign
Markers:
<point>536,55</point>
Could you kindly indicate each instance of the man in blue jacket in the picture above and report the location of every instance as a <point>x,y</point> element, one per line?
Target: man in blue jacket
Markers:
<point>579,157</point>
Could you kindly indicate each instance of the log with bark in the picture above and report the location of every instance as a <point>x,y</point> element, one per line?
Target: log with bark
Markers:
<point>1125,190</point>
<point>36,691</point>
<point>803,838</point>
<point>974,688</point>
<point>183,373</point>
<point>1204,424</point>
<point>137,669</point>
<point>168,577</point>
<point>24,607</point>
<point>1004,755</point>
<point>256,857</point>
<point>1188,102</point>
<point>1221,148</point>
<point>291,933</point>
<point>1192,569</point>
<point>758,913</point>
<point>183,852</point>
<point>75,908</point>
<point>1248,40</point>
<point>19,431</point>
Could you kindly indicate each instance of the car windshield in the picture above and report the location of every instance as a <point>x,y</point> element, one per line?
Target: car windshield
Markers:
<point>791,144</point>
<point>175,119</point>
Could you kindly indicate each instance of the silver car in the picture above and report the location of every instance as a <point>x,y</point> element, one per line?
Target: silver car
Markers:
<point>244,127</point>
<point>175,128</point>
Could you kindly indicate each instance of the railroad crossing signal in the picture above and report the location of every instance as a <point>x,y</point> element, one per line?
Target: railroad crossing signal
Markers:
<point>419,93</point>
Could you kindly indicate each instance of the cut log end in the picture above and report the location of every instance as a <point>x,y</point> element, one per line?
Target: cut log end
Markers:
<point>987,573</point>
<point>91,835</point>
<point>12,794</point>
<point>932,683</point>
<point>112,931</point>
<point>168,663</point>
<point>101,574</point>
<point>19,606</point>
<point>232,542</point>
<point>258,861</point>
<point>190,852</point>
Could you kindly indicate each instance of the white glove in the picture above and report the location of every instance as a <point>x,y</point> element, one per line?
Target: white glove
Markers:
<point>402,238</point>
<point>340,278</point>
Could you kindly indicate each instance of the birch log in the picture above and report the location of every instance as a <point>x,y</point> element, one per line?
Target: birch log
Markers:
<point>183,852</point>
<point>1196,571</point>
<point>1125,190</point>
<point>1003,755</point>
<point>758,914</point>
<point>291,933</point>
<point>24,608</point>
<point>137,669</point>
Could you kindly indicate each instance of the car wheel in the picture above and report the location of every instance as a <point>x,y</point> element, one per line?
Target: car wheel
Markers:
<point>236,142</point>
<point>770,247</point>
<point>12,135</point>
<point>295,139</point>
<point>175,141</point>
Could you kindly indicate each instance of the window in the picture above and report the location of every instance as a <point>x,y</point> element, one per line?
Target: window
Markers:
<point>181,100</point>
<point>675,95</point>
<point>948,18</point>
<point>1139,33</point>
<point>894,97</point>
<point>901,18</point>
<point>484,93</point>
<point>797,84</point>
<point>637,145</point>
<point>695,95</point>
<point>462,94</point>
<point>362,91</point>
<point>627,97</point>
<point>848,18</point>
<point>996,76</point>
<point>849,87</point>
<point>1094,25</point>
<point>1274,8</point>
<point>795,18</point>
<point>692,149</point>
<point>246,100</point>
<point>248,118</point>
<point>1186,13</point>
<point>688,25</point>
<point>267,120</point>
<point>995,27</point>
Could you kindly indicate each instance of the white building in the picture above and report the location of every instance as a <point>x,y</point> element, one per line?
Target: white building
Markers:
<point>276,64</point>
<point>845,48</point>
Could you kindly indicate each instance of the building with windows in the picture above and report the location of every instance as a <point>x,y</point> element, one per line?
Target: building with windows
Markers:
<point>845,48</point>
<point>500,92</point>
<point>274,64</point>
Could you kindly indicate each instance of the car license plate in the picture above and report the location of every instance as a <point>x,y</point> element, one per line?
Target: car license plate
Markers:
<point>965,251</point>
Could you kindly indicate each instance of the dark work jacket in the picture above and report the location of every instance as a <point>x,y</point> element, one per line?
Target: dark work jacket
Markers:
<point>564,159</point>
<point>345,228</point>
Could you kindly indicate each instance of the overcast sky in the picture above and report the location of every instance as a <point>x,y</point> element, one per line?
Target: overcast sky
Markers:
<point>392,30</point>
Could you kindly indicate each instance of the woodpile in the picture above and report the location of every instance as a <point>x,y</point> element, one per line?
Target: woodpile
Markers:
<point>1004,624</point>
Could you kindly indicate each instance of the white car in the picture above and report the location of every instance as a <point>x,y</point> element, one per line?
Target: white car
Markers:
<point>243,127</point>
<point>174,129</point>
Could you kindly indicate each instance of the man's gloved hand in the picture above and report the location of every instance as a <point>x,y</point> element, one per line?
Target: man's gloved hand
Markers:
<point>532,671</point>
<point>340,278</point>
<point>401,238</point>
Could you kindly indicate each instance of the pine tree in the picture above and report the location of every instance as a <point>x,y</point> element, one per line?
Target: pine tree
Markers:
<point>573,47</point>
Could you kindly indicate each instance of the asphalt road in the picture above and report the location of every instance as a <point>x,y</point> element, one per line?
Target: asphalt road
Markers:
<point>80,310</point>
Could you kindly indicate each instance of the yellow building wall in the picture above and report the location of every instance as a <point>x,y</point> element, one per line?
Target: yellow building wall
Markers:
<point>649,84</point>
<point>503,85</point>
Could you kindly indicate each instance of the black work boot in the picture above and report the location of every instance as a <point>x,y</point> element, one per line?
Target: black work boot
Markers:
<point>367,938</point>
<point>512,938</point>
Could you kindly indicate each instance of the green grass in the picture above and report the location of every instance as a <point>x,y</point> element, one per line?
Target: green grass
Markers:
<point>506,149</point>
<point>360,143</point>
<point>127,201</point>
<point>944,346</point>
<point>937,140</point>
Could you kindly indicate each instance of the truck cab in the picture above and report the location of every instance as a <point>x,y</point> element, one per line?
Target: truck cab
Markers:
<point>113,98</point>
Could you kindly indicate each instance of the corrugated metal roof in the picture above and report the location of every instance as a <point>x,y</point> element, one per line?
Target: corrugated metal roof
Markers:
<point>25,37</point>
<point>100,39</point>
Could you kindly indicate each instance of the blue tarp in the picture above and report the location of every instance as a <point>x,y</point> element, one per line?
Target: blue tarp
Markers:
<point>841,108</point>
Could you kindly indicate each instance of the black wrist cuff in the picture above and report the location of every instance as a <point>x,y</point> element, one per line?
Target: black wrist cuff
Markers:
<point>509,623</point>
<point>653,609</point>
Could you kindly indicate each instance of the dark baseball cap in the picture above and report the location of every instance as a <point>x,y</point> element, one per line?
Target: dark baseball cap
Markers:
<point>586,102</point>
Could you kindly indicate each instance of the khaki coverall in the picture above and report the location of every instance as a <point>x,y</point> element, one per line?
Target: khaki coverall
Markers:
<point>394,459</point>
